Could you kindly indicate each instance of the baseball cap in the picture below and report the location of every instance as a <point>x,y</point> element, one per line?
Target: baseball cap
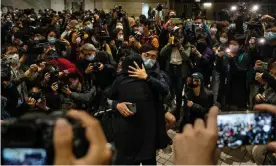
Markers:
<point>197,75</point>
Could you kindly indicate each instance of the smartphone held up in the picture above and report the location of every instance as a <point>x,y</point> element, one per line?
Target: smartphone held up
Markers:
<point>245,129</point>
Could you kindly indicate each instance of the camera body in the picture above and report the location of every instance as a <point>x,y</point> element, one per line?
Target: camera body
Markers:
<point>159,7</point>
<point>35,130</point>
<point>96,65</point>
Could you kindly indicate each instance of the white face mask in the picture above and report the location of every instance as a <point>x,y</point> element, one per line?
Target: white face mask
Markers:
<point>223,40</point>
<point>13,59</point>
<point>214,30</point>
<point>121,37</point>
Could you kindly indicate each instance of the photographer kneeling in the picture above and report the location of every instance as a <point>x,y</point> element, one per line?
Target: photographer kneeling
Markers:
<point>198,100</point>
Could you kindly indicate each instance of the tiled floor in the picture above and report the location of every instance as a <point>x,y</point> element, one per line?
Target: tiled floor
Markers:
<point>227,156</point>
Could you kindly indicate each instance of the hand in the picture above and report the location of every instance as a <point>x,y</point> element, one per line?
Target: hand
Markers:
<point>41,66</point>
<point>258,64</point>
<point>98,154</point>
<point>122,108</point>
<point>259,78</point>
<point>169,22</point>
<point>34,68</point>
<point>54,87</point>
<point>138,72</point>
<point>31,102</point>
<point>186,144</point>
<point>101,67</point>
<point>41,105</point>
<point>66,90</point>
<point>66,42</point>
<point>195,51</point>
<point>230,54</point>
<point>259,98</point>
<point>190,103</point>
<point>170,120</point>
<point>60,74</point>
<point>89,69</point>
<point>272,109</point>
<point>266,18</point>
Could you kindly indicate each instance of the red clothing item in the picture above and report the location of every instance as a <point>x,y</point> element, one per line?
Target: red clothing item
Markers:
<point>65,66</point>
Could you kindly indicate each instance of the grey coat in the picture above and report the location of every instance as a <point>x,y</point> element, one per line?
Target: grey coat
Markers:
<point>185,51</point>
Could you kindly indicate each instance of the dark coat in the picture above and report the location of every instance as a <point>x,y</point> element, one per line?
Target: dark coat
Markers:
<point>234,80</point>
<point>135,136</point>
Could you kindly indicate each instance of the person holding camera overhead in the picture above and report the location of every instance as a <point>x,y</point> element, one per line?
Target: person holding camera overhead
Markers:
<point>177,65</point>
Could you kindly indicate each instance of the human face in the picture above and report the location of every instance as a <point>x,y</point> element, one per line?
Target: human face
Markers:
<point>196,82</point>
<point>87,53</point>
<point>52,34</point>
<point>150,55</point>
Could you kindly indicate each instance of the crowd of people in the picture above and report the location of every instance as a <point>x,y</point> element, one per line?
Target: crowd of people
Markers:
<point>95,61</point>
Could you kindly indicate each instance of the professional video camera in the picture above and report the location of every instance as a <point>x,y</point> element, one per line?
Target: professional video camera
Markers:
<point>137,36</point>
<point>120,12</point>
<point>32,136</point>
<point>159,7</point>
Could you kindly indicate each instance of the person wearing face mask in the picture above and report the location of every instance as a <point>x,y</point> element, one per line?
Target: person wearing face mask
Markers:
<point>198,100</point>
<point>134,85</point>
<point>88,28</point>
<point>147,36</point>
<point>176,57</point>
<point>234,94</point>
<point>57,48</point>
<point>202,58</point>
<point>116,45</point>
<point>219,52</point>
<point>213,31</point>
<point>267,93</point>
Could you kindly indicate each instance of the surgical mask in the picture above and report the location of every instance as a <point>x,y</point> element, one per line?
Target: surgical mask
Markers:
<point>149,63</point>
<point>78,40</point>
<point>90,57</point>
<point>245,27</point>
<point>213,30</point>
<point>13,59</point>
<point>232,26</point>
<point>52,40</point>
<point>223,40</point>
<point>121,37</point>
<point>234,48</point>
<point>89,27</point>
<point>141,30</point>
<point>194,85</point>
<point>270,35</point>
<point>36,39</point>
<point>8,19</point>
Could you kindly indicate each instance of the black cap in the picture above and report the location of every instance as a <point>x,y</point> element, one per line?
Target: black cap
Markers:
<point>197,75</point>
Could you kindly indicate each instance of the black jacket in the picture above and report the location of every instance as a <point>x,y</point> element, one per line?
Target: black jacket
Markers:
<point>135,136</point>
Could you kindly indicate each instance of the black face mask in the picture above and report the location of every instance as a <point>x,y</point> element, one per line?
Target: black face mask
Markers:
<point>172,16</point>
<point>193,85</point>
<point>201,46</point>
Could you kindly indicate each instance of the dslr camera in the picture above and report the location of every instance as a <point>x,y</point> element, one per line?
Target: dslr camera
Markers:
<point>159,7</point>
<point>96,65</point>
<point>29,139</point>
